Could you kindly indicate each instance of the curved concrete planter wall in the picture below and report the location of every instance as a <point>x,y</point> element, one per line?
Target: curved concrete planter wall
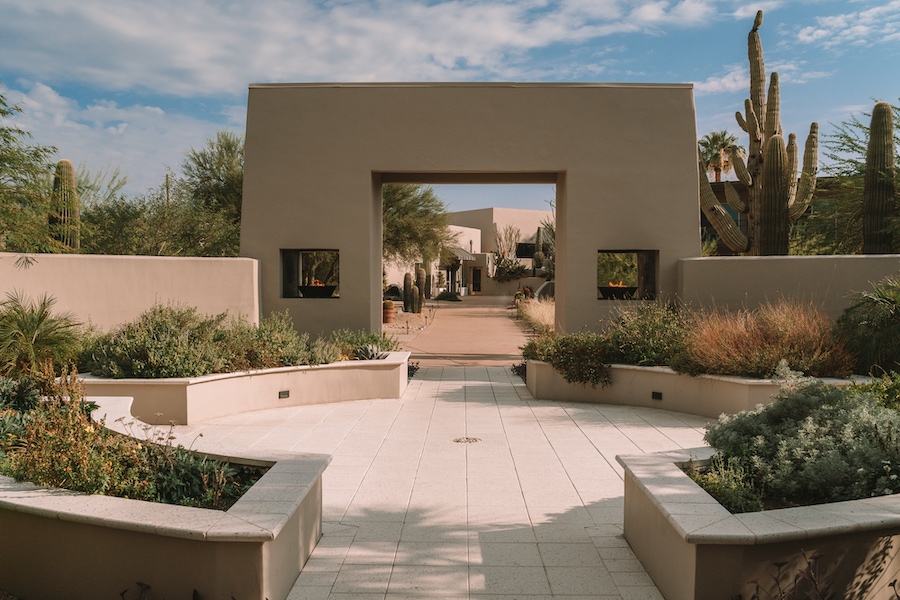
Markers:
<point>188,400</point>
<point>63,544</point>
<point>657,387</point>
<point>694,549</point>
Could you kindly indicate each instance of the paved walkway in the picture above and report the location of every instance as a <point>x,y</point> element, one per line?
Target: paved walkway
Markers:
<point>479,330</point>
<point>466,487</point>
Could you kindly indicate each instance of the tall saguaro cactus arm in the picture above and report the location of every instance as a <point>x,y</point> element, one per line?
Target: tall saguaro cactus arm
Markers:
<point>724,225</point>
<point>65,212</point>
<point>879,185</point>
<point>769,215</point>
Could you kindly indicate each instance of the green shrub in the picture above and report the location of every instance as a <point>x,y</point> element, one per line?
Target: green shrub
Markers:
<point>349,341</point>
<point>645,334</point>
<point>57,444</point>
<point>578,357</point>
<point>871,328</point>
<point>729,483</point>
<point>752,343</point>
<point>885,390</point>
<point>448,296</point>
<point>815,443</point>
<point>19,394</point>
<point>169,341</point>
<point>33,338</point>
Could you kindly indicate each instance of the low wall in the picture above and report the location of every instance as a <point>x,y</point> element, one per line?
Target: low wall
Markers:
<point>186,401</point>
<point>749,281</point>
<point>694,549</point>
<point>656,387</point>
<point>63,544</point>
<point>109,290</point>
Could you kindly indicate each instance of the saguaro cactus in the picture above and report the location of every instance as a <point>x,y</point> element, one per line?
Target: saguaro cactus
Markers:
<point>879,187</point>
<point>537,260</point>
<point>420,289</point>
<point>65,213</point>
<point>768,220</point>
<point>408,293</point>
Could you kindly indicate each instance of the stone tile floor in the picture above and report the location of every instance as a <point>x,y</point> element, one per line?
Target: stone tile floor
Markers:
<point>531,510</point>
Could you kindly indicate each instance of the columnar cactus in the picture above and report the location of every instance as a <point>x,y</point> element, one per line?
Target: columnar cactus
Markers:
<point>879,187</point>
<point>538,259</point>
<point>420,288</point>
<point>769,219</point>
<point>408,293</point>
<point>65,213</point>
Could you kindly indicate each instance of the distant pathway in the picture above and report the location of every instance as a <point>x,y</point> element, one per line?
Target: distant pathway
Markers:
<point>480,330</point>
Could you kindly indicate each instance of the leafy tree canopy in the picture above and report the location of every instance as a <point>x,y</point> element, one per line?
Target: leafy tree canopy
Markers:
<point>214,174</point>
<point>415,223</point>
<point>25,169</point>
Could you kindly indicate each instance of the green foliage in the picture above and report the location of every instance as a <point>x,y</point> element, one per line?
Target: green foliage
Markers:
<point>415,224</point>
<point>729,483</point>
<point>214,174</point>
<point>169,341</point>
<point>716,150</point>
<point>506,266</point>
<point>879,188</point>
<point>57,444</point>
<point>448,296</point>
<point>646,333</point>
<point>752,343</point>
<point>21,394</point>
<point>349,341</point>
<point>368,352</point>
<point>815,443</point>
<point>885,390</point>
<point>871,327</point>
<point>33,338</point>
<point>617,268</point>
<point>24,171</point>
<point>165,221</point>
<point>834,224</point>
<point>579,357</point>
<point>65,209</point>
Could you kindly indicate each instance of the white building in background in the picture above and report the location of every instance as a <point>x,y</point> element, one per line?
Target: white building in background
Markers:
<point>469,269</point>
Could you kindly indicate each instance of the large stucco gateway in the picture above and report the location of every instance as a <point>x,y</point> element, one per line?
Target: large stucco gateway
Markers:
<point>622,158</point>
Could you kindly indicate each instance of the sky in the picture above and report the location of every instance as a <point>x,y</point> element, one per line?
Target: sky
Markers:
<point>135,85</point>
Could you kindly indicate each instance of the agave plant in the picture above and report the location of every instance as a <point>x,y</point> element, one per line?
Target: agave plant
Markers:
<point>33,338</point>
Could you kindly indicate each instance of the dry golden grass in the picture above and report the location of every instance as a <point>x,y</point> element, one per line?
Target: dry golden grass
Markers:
<point>751,343</point>
<point>539,314</point>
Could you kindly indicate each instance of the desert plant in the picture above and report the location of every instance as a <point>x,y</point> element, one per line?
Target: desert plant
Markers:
<point>752,343</point>
<point>408,298</point>
<point>539,314</point>
<point>769,211</point>
<point>815,443</point>
<point>348,341</point>
<point>871,327</point>
<point>32,337</point>
<point>579,357</point>
<point>368,352</point>
<point>879,192</point>
<point>422,285</point>
<point>448,296</point>
<point>65,210</point>
<point>57,444</point>
<point>729,483</point>
<point>646,334</point>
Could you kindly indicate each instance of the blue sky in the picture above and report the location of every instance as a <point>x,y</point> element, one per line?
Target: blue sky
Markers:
<point>136,84</point>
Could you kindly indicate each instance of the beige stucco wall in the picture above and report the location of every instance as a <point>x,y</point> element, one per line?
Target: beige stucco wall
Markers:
<point>486,219</point>
<point>109,290</point>
<point>749,281</point>
<point>316,156</point>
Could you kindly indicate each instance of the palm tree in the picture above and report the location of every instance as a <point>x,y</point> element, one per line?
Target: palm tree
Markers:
<point>716,151</point>
<point>32,337</point>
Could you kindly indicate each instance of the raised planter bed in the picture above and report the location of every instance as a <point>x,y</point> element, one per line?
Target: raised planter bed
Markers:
<point>658,387</point>
<point>188,400</point>
<point>63,544</point>
<point>694,549</point>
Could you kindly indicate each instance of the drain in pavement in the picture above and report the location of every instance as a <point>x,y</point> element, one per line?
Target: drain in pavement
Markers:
<point>466,440</point>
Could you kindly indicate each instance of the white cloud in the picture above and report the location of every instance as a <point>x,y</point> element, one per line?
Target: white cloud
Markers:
<point>874,25</point>
<point>143,140</point>
<point>736,79</point>
<point>209,47</point>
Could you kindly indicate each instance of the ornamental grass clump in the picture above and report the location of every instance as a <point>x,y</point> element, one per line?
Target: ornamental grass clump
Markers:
<point>539,314</point>
<point>815,443</point>
<point>752,343</point>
